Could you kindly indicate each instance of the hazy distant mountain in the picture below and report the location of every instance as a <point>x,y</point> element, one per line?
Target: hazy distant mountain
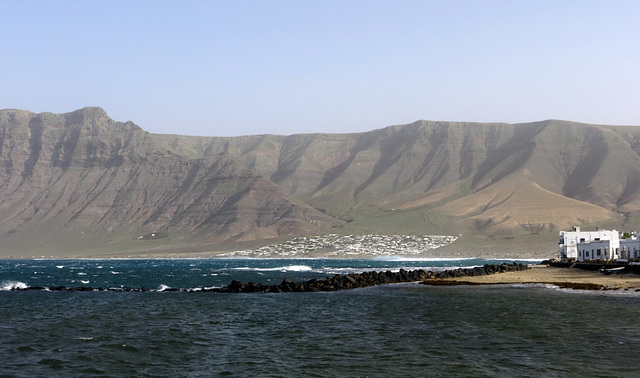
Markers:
<point>75,180</point>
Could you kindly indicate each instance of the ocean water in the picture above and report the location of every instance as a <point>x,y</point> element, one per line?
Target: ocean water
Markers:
<point>402,330</point>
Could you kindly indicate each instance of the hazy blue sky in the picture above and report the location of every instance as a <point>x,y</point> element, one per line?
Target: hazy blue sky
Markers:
<point>282,67</point>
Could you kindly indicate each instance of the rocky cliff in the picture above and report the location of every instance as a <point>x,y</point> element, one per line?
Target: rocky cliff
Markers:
<point>75,180</point>
<point>456,177</point>
<point>81,175</point>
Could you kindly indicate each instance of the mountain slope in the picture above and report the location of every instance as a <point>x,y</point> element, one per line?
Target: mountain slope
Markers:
<point>81,173</point>
<point>594,168</point>
<point>79,176</point>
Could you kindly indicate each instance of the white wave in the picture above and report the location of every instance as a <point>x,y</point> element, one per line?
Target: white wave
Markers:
<point>204,288</point>
<point>343,270</point>
<point>298,268</point>
<point>82,274</point>
<point>287,268</point>
<point>11,285</point>
<point>114,272</point>
<point>552,287</point>
<point>84,282</point>
<point>405,258</point>
<point>394,269</point>
<point>84,338</point>
<point>609,292</point>
<point>59,266</point>
<point>163,287</point>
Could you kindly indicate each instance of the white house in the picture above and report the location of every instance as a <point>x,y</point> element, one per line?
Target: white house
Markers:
<point>589,245</point>
<point>630,248</point>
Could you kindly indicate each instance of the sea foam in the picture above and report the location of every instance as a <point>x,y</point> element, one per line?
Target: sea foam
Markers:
<point>12,285</point>
<point>409,258</point>
<point>289,268</point>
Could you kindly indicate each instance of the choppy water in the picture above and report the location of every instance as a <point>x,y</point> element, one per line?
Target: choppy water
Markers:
<point>390,330</point>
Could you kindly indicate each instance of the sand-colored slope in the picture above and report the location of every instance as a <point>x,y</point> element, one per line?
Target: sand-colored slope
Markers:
<point>517,203</point>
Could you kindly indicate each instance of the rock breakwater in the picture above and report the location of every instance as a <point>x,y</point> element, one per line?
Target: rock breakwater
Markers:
<point>333,283</point>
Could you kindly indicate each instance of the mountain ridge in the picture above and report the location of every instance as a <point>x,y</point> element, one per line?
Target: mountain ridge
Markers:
<point>65,176</point>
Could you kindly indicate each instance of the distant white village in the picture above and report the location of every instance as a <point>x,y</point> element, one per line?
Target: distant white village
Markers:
<point>584,246</point>
<point>335,245</point>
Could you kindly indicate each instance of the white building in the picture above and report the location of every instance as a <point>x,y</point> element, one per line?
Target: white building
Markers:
<point>630,248</point>
<point>589,245</point>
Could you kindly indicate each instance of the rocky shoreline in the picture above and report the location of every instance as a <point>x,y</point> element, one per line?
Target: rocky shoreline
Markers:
<point>561,277</point>
<point>334,283</point>
<point>561,285</point>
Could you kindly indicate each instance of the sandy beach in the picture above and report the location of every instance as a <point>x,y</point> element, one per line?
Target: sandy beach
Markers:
<point>542,274</point>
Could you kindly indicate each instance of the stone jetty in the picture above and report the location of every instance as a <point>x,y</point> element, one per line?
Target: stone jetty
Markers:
<point>334,283</point>
<point>373,278</point>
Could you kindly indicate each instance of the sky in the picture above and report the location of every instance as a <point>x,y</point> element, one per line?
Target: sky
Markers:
<point>226,68</point>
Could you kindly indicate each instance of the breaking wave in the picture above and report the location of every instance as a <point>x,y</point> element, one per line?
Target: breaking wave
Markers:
<point>287,268</point>
<point>12,285</point>
<point>404,258</point>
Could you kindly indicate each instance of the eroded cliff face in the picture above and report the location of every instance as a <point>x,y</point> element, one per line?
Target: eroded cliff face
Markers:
<point>66,176</point>
<point>578,161</point>
<point>83,173</point>
<point>456,177</point>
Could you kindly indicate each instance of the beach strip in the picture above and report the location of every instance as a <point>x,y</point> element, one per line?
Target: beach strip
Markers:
<point>543,274</point>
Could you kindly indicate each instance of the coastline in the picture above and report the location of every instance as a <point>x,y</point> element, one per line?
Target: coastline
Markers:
<point>542,274</point>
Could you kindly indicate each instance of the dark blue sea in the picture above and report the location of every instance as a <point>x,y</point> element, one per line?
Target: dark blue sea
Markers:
<point>399,330</point>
